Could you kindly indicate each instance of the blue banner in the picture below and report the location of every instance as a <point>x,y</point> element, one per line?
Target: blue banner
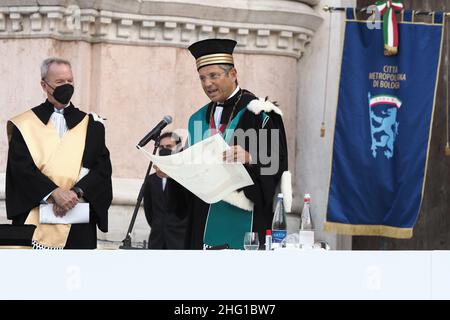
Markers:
<point>383,128</point>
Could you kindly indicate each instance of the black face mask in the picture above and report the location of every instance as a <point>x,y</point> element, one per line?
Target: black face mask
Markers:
<point>165,152</point>
<point>63,93</point>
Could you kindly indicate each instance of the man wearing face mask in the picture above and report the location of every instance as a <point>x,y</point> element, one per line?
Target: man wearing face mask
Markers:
<point>57,154</point>
<point>164,202</point>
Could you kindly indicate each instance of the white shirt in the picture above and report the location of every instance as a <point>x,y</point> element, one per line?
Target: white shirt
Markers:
<point>217,115</point>
<point>59,122</point>
<point>219,109</point>
<point>164,181</point>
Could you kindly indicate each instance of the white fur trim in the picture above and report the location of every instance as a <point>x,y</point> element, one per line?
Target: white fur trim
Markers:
<point>238,199</point>
<point>286,190</point>
<point>98,118</point>
<point>258,105</point>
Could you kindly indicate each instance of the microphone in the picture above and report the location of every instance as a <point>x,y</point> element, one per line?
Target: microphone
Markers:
<point>155,131</point>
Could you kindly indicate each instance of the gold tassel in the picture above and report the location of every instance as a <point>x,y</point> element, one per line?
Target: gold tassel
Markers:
<point>447,150</point>
<point>390,51</point>
<point>322,130</point>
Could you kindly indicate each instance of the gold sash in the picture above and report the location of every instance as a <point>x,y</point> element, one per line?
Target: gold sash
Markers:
<point>57,158</point>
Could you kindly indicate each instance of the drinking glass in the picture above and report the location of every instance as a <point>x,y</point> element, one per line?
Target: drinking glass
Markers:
<point>251,241</point>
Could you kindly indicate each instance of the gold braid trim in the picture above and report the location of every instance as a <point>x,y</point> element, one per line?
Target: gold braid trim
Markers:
<point>217,58</point>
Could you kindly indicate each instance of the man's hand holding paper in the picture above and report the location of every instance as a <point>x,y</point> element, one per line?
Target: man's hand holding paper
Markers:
<point>202,168</point>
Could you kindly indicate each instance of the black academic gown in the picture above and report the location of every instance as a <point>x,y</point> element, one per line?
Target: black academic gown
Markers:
<point>165,213</point>
<point>26,186</point>
<point>263,190</point>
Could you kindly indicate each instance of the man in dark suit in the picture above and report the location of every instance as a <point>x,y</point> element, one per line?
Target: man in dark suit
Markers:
<point>164,202</point>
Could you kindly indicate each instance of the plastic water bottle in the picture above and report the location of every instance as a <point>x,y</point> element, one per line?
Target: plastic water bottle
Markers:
<point>279,229</point>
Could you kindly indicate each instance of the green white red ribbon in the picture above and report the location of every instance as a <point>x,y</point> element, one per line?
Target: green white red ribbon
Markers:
<point>387,9</point>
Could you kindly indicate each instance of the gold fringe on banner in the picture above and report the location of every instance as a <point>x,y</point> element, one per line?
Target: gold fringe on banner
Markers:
<point>368,230</point>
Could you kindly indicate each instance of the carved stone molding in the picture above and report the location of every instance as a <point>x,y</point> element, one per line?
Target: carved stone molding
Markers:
<point>275,27</point>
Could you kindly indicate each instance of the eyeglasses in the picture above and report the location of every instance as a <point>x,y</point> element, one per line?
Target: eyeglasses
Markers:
<point>212,76</point>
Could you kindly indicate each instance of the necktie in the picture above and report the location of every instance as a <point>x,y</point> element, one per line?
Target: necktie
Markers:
<point>59,122</point>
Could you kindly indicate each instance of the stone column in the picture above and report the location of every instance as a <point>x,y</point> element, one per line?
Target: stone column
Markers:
<point>313,161</point>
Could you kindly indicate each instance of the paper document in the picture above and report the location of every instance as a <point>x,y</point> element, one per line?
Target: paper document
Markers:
<point>201,169</point>
<point>79,214</point>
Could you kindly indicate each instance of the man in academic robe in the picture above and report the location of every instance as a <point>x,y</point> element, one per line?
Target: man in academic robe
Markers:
<point>57,155</point>
<point>164,208</point>
<point>254,129</point>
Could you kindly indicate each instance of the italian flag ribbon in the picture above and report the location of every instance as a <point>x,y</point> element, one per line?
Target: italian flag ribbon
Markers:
<point>387,9</point>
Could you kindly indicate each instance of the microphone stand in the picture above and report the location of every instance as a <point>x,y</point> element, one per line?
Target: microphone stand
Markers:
<point>126,243</point>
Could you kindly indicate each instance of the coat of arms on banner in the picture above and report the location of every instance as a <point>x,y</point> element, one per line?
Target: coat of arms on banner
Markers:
<point>383,123</point>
